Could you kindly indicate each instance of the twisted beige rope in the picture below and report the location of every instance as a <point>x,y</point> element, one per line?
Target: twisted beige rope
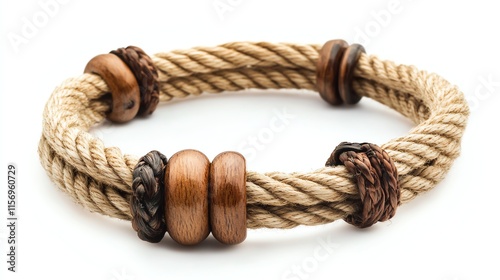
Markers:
<point>100,177</point>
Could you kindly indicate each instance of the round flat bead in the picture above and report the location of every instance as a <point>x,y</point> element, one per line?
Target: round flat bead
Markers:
<point>146,75</point>
<point>186,197</point>
<point>346,73</point>
<point>121,81</point>
<point>228,200</point>
<point>327,69</point>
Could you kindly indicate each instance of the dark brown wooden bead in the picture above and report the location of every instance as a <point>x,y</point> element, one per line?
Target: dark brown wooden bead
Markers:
<point>186,197</point>
<point>228,200</point>
<point>346,73</point>
<point>121,81</point>
<point>327,68</point>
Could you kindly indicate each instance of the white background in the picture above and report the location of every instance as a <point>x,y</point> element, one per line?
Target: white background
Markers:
<point>449,233</point>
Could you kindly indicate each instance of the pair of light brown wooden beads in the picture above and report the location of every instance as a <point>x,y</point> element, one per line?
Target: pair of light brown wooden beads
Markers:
<point>335,70</point>
<point>188,196</point>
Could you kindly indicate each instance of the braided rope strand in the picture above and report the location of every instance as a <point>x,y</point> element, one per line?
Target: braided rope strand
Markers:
<point>100,177</point>
<point>376,178</point>
<point>148,194</point>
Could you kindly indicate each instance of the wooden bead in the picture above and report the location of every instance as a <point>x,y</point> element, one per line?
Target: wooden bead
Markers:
<point>228,200</point>
<point>122,83</point>
<point>186,197</point>
<point>327,69</point>
<point>347,66</point>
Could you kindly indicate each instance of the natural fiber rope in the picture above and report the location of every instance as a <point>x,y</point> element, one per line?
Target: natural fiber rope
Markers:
<point>100,177</point>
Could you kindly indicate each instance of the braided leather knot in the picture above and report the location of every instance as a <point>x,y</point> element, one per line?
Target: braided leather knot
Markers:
<point>146,202</point>
<point>377,180</point>
<point>146,75</point>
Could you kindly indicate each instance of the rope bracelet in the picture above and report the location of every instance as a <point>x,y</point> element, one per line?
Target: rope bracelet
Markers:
<point>188,196</point>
